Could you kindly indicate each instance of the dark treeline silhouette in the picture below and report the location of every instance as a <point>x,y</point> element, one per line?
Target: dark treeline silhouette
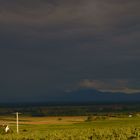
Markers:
<point>68,109</point>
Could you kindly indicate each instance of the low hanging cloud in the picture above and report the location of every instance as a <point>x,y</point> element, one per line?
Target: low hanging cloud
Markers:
<point>111,85</point>
<point>104,84</point>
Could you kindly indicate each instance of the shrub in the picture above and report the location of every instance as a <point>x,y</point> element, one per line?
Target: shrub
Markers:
<point>89,118</point>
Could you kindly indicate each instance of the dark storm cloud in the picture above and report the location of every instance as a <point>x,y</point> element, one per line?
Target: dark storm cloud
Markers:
<point>50,45</point>
<point>68,20</point>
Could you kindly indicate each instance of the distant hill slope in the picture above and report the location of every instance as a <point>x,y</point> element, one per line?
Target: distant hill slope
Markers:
<point>85,95</point>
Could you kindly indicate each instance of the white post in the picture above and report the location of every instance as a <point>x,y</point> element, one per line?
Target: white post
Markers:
<point>17,122</point>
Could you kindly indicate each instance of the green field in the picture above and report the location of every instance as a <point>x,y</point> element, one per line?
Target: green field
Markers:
<point>73,128</point>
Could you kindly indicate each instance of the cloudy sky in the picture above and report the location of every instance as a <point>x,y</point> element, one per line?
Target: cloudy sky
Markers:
<point>48,46</point>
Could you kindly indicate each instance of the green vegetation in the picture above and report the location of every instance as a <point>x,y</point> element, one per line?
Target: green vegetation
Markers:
<point>78,134</point>
<point>75,128</point>
<point>87,122</point>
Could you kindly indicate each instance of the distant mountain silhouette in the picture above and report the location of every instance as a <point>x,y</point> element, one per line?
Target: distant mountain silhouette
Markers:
<point>89,95</point>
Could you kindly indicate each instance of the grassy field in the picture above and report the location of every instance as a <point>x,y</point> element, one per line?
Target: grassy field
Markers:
<point>73,128</point>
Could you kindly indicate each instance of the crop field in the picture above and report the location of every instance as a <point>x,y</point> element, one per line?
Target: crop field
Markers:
<point>73,128</point>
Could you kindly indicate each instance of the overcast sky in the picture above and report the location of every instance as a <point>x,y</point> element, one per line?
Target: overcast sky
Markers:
<point>48,46</point>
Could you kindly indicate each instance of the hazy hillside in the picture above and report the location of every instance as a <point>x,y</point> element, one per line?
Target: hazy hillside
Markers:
<point>85,95</point>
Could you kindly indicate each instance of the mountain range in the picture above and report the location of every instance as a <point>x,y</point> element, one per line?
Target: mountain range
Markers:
<point>93,95</point>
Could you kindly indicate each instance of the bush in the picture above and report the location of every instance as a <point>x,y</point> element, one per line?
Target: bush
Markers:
<point>59,119</point>
<point>89,118</point>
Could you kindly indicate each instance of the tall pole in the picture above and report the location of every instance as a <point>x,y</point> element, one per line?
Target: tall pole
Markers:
<point>17,122</point>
